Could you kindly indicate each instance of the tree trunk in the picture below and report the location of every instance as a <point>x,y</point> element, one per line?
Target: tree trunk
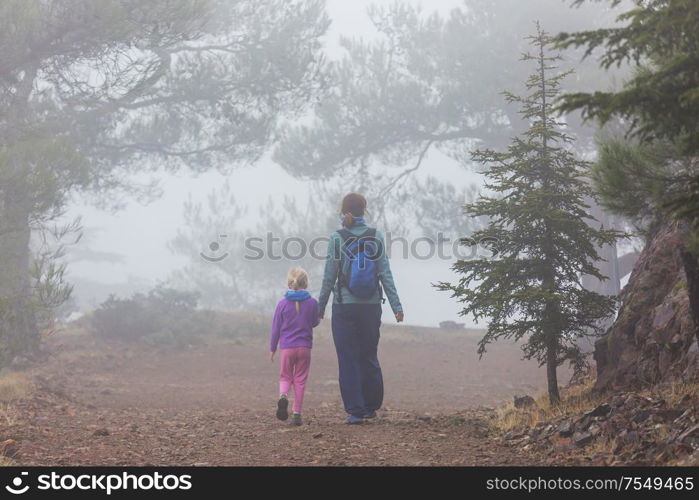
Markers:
<point>551,375</point>
<point>18,324</point>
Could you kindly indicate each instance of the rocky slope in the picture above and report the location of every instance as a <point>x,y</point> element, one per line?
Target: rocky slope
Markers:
<point>654,339</point>
<point>627,428</point>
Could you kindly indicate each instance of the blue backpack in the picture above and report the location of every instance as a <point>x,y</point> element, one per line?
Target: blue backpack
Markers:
<point>363,253</point>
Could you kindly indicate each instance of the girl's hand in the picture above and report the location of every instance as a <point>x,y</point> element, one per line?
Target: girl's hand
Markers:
<point>271,356</point>
<point>399,317</point>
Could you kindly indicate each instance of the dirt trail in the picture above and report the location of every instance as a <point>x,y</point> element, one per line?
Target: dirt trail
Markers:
<point>111,404</point>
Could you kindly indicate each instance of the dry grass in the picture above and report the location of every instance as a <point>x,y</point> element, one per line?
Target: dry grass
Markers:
<point>602,447</point>
<point>13,386</point>
<point>574,400</point>
<point>577,399</point>
<point>674,393</point>
<point>8,416</point>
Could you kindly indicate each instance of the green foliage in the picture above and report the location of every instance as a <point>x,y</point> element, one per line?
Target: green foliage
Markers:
<point>163,316</point>
<point>170,318</point>
<point>540,234</point>
<point>636,179</point>
<point>661,100</point>
<point>685,204</point>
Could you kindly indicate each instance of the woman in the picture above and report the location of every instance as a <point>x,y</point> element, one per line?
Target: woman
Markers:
<point>356,312</point>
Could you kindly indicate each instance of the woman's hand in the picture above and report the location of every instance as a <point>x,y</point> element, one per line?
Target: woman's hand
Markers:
<point>271,356</point>
<point>399,317</point>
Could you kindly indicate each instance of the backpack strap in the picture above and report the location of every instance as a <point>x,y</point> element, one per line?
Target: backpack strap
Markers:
<point>345,234</point>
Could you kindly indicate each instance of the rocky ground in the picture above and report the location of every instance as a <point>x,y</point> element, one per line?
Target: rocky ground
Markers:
<point>626,428</point>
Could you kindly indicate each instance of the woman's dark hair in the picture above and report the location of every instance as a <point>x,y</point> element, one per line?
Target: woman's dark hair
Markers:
<point>353,205</point>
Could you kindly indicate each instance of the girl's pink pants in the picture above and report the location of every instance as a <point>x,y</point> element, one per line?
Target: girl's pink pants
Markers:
<point>295,363</point>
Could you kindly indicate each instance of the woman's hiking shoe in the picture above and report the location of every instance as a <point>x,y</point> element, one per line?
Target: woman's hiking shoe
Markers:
<point>352,420</point>
<point>370,414</point>
<point>282,408</point>
<point>296,419</point>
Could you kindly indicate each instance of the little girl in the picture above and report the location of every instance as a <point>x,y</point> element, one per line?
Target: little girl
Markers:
<point>292,329</point>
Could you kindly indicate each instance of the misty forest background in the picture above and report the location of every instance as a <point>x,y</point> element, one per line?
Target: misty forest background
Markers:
<point>136,134</point>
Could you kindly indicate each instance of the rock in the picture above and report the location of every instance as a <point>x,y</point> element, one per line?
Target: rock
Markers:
<point>691,432</point>
<point>641,416</point>
<point>685,416</point>
<point>525,401</point>
<point>581,439</point>
<point>102,431</point>
<point>565,428</point>
<point>619,400</point>
<point>451,325</point>
<point>583,422</point>
<point>601,411</point>
<point>666,415</point>
<point>9,448</point>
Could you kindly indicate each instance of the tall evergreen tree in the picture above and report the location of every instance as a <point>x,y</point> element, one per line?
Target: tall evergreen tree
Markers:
<point>538,231</point>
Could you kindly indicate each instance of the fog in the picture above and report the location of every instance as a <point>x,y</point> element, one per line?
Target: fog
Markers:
<point>139,234</point>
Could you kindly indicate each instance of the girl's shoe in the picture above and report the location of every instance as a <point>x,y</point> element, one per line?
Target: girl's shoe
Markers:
<point>282,408</point>
<point>370,414</point>
<point>352,420</point>
<point>296,419</point>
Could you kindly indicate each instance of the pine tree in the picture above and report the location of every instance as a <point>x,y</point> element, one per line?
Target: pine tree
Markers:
<point>660,40</point>
<point>530,288</point>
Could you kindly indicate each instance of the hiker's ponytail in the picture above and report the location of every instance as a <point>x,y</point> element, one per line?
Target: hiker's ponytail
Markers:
<point>353,205</point>
<point>348,219</point>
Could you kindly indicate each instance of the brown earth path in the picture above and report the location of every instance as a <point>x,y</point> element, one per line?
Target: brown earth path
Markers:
<point>98,403</point>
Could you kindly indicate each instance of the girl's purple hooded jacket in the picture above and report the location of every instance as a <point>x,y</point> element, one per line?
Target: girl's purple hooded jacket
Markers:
<point>292,327</point>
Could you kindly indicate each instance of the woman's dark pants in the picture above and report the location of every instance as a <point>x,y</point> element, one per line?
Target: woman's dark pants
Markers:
<point>356,335</point>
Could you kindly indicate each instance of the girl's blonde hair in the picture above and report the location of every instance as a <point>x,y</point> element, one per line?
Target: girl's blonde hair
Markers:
<point>297,279</point>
